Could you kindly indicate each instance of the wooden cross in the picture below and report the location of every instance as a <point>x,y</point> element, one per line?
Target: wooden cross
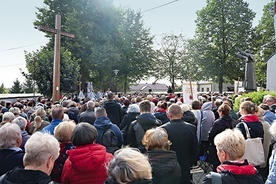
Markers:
<point>56,73</point>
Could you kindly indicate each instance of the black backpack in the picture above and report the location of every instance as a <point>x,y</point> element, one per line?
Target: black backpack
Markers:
<point>109,140</point>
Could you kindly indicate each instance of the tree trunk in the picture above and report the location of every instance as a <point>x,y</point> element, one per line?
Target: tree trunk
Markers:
<point>220,84</point>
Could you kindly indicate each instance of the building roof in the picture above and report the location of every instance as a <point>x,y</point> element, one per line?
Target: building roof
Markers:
<point>154,87</point>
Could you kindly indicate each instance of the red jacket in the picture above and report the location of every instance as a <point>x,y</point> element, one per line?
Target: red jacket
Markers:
<point>86,164</point>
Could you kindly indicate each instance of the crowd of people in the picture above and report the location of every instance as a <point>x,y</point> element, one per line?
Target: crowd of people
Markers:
<point>135,138</point>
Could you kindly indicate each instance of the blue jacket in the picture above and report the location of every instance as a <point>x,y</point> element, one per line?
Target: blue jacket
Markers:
<point>50,128</point>
<point>101,123</point>
<point>272,167</point>
<point>269,116</point>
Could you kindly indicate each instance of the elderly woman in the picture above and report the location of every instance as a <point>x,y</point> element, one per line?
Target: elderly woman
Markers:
<point>165,168</point>
<point>11,155</point>
<point>221,124</point>
<point>41,152</point>
<point>62,133</point>
<point>39,123</point>
<point>132,112</point>
<point>272,161</point>
<point>87,162</point>
<point>22,123</point>
<point>129,166</point>
<point>230,145</point>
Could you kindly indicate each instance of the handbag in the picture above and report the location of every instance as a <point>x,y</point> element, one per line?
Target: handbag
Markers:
<point>254,150</point>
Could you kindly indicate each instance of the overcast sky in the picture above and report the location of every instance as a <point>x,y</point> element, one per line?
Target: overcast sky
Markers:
<point>18,33</point>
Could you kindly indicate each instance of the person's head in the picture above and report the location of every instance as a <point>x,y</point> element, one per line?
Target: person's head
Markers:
<point>230,145</point>
<point>10,136</point>
<point>100,112</point>
<point>196,105</point>
<point>133,108</point>
<point>83,134</point>
<point>15,110</point>
<point>149,98</point>
<point>129,165</point>
<point>40,112</point>
<point>184,108</point>
<point>21,122</point>
<point>217,102</point>
<point>224,110</point>
<point>90,105</point>
<point>175,112</point>
<point>110,96</point>
<point>41,151</point>
<point>264,106</point>
<point>63,131</point>
<point>57,112</point>
<point>228,102</point>
<point>156,139</point>
<point>270,100</point>
<point>145,106</point>
<point>247,107</point>
<point>259,112</point>
<point>162,104</point>
<point>8,117</point>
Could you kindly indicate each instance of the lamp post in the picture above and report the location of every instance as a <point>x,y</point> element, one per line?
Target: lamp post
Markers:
<point>116,73</point>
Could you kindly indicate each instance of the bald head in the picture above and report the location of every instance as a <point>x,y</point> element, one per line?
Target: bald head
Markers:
<point>175,112</point>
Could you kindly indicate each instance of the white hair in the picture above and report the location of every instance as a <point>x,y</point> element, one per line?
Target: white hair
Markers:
<point>21,122</point>
<point>8,116</point>
<point>133,108</point>
<point>9,135</point>
<point>39,147</point>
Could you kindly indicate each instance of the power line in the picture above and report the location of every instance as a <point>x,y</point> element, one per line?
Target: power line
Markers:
<point>15,48</point>
<point>159,6</point>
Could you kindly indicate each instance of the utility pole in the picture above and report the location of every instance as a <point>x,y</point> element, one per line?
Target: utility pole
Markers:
<point>56,70</point>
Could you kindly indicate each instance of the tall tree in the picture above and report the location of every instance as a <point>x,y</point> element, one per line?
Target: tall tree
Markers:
<point>104,41</point>
<point>29,85</point>
<point>40,67</point>
<point>3,90</point>
<point>16,87</point>
<point>136,48</point>
<point>170,57</point>
<point>223,28</point>
<point>265,43</point>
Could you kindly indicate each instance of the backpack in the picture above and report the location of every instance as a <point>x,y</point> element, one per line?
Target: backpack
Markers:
<point>109,140</point>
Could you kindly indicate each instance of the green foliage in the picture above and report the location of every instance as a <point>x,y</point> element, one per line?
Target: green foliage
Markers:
<point>265,43</point>
<point>28,86</point>
<point>223,28</point>
<point>40,67</point>
<point>170,57</point>
<point>257,97</point>
<point>107,38</point>
<point>16,87</point>
<point>3,90</point>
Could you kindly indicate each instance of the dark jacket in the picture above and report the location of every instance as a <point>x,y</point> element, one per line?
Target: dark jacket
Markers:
<point>113,181</point>
<point>161,114</point>
<point>124,126</point>
<point>137,130</point>
<point>20,175</point>
<point>189,117</point>
<point>25,137</point>
<point>254,125</point>
<point>219,126</point>
<point>165,168</point>
<point>185,144</point>
<point>113,110</point>
<point>236,173</point>
<point>73,113</point>
<point>9,159</point>
<point>102,123</point>
<point>88,116</point>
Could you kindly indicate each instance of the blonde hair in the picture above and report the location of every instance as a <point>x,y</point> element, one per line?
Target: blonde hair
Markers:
<point>156,139</point>
<point>249,107</point>
<point>40,112</point>
<point>39,147</point>
<point>63,131</point>
<point>129,165</point>
<point>232,142</point>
